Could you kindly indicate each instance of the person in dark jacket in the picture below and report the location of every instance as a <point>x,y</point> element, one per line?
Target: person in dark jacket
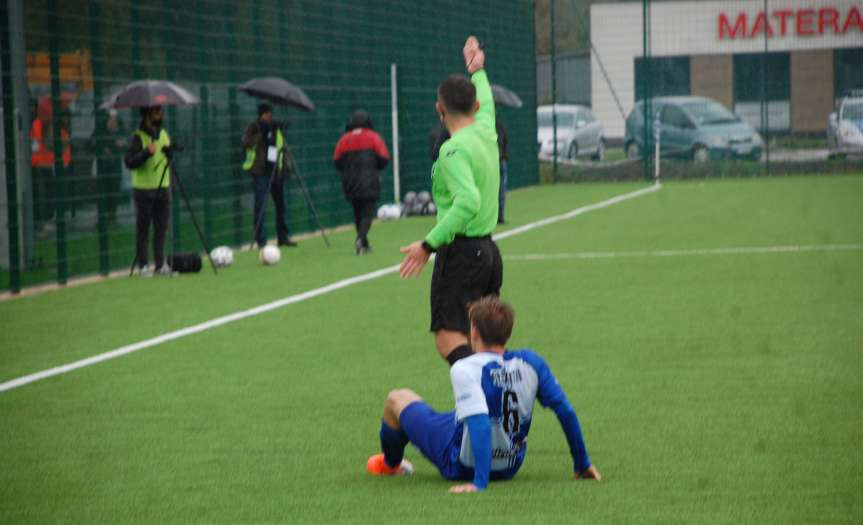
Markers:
<point>108,144</point>
<point>148,156</point>
<point>503,150</point>
<point>360,155</point>
<point>437,136</point>
<point>265,146</point>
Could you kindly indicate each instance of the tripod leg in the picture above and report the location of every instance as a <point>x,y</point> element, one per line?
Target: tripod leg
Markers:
<point>312,206</point>
<point>152,208</point>
<point>195,223</point>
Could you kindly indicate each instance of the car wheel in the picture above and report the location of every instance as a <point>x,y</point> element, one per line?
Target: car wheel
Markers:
<point>572,153</point>
<point>633,152</point>
<point>600,150</point>
<point>700,154</point>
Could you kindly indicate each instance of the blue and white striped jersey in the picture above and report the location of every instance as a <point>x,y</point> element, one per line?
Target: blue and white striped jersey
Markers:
<point>504,387</point>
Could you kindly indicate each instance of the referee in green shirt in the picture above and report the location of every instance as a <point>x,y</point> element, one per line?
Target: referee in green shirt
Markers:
<point>465,183</point>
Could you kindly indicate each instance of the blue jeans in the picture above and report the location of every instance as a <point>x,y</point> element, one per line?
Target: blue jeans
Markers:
<point>501,195</point>
<point>277,190</point>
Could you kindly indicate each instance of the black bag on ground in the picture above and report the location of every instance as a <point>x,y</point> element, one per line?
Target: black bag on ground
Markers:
<point>185,262</point>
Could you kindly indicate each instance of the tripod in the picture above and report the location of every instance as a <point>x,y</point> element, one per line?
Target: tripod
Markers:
<point>280,157</point>
<point>185,198</point>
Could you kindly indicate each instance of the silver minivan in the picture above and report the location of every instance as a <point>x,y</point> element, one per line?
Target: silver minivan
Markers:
<point>845,126</point>
<point>579,134</point>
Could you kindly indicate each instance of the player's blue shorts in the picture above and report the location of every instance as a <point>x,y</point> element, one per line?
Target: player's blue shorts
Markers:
<point>438,436</point>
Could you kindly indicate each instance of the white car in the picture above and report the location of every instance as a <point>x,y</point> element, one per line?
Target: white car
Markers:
<point>845,126</point>
<point>579,134</point>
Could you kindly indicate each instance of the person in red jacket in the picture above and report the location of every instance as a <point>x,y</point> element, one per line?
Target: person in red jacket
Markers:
<point>360,155</point>
<point>46,184</point>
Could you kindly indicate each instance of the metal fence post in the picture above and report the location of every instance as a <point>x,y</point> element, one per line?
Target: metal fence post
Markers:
<point>59,183</point>
<point>765,102</point>
<point>102,204</point>
<point>236,181</point>
<point>647,85</point>
<point>9,134</point>
<point>553,95</point>
<point>170,73</point>
<point>205,155</point>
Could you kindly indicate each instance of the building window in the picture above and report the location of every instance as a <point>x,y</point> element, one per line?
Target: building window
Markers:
<point>847,70</point>
<point>763,77</point>
<point>669,76</point>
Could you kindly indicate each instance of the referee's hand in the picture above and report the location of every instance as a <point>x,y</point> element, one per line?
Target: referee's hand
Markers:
<point>416,258</point>
<point>474,56</point>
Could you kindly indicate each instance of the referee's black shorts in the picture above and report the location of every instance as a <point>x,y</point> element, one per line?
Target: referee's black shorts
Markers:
<point>464,270</point>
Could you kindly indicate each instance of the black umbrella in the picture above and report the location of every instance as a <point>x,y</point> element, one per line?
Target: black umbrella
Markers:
<point>278,91</point>
<point>505,97</point>
<point>147,93</point>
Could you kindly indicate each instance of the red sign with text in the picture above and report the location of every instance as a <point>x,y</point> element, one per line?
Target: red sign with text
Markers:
<point>783,22</point>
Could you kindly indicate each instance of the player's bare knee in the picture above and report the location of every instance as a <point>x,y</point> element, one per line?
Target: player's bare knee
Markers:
<point>398,399</point>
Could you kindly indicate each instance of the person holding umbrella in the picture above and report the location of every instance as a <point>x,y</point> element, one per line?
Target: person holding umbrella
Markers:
<point>147,157</point>
<point>266,162</point>
<point>150,159</point>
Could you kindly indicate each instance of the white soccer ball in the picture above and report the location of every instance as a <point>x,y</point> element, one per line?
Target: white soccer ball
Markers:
<point>431,208</point>
<point>270,255</point>
<point>395,211</point>
<point>222,256</point>
<point>424,197</point>
<point>390,211</point>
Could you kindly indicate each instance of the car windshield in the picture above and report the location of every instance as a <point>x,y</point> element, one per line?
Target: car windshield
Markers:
<point>564,120</point>
<point>853,110</point>
<point>707,112</point>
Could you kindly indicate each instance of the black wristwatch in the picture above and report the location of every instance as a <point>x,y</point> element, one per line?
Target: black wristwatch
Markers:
<point>428,247</point>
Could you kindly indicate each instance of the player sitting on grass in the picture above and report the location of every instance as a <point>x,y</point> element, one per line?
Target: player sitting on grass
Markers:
<point>486,436</point>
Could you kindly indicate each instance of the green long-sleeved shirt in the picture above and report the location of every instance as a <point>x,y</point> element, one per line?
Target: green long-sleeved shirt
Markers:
<point>466,176</point>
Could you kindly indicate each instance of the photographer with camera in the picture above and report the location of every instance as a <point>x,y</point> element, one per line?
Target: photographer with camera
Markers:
<point>148,157</point>
<point>267,162</point>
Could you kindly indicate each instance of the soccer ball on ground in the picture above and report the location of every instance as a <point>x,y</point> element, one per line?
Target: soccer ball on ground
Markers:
<point>390,211</point>
<point>222,256</point>
<point>270,255</point>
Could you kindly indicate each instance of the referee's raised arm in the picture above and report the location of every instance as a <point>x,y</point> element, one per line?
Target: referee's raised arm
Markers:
<point>474,59</point>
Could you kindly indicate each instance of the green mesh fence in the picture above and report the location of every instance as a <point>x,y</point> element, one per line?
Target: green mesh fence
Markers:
<point>73,216</point>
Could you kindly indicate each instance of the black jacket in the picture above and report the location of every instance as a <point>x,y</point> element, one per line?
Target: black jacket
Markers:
<point>254,137</point>
<point>360,155</point>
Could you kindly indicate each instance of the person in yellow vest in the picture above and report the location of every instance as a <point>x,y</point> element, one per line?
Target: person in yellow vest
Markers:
<point>265,146</point>
<point>147,157</point>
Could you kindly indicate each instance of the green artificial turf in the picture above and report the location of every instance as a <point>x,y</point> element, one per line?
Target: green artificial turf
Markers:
<point>710,388</point>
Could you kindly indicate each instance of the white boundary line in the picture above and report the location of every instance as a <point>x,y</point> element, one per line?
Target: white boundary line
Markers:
<point>243,314</point>
<point>683,253</point>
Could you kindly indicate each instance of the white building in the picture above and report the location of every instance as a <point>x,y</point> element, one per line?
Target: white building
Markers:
<point>714,49</point>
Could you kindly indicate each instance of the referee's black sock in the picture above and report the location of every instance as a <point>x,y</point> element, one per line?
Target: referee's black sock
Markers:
<point>459,352</point>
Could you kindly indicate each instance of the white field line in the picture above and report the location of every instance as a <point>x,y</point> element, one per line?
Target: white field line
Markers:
<point>243,314</point>
<point>743,250</point>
